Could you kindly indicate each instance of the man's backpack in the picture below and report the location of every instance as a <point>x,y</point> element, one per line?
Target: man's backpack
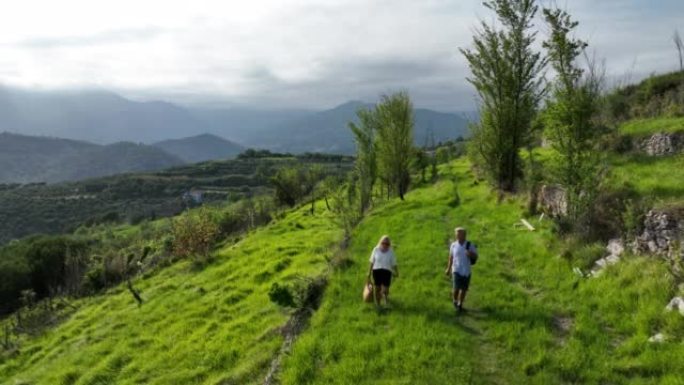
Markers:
<point>473,260</point>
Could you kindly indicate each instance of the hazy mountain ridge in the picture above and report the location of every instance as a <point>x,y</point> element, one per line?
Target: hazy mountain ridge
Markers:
<point>27,159</point>
<point>105,117</point>
<point>200,148</point>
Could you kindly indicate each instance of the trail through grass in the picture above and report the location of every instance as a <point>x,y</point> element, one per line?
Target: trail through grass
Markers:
<point>531,320</point>
<point>213,325</point>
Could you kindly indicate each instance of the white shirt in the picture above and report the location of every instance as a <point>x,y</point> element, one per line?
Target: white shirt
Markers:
<point>383,260</point>
<point>460,263</point>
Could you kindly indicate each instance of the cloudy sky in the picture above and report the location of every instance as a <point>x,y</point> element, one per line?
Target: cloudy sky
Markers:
<point>294,53</point>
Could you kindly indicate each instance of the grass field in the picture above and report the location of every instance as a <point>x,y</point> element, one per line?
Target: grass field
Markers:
<point>531,319</point>
<point>214,325</point>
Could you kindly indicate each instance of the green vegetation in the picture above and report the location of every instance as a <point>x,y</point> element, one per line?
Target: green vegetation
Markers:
<point>210,325</point>
<point>643,127</point>
<point>59,208</point>
<point>531,319</point>
<point>506,72</point>
<point>655,179</point>
<point>656,96</point>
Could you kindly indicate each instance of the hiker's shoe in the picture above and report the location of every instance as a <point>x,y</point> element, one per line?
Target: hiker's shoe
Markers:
<point>461,309</point>
<point>456,305</point>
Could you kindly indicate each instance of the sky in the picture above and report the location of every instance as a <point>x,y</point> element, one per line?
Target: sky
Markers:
<point>310,54</point>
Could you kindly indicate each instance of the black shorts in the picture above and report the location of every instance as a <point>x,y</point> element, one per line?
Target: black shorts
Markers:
<point>382,277</point>
<point>461,282</point>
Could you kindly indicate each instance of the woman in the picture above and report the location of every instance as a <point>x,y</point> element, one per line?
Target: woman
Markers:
<point>382,264</point>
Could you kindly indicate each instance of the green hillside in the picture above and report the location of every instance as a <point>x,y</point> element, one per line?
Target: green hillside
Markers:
<point>531,319</point>
<point>58,208</point>
<point>215,325</point>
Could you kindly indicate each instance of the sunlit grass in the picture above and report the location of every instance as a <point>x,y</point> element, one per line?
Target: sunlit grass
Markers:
<point>531,319</point>
<point>643,127</point>
<point>197,326</point>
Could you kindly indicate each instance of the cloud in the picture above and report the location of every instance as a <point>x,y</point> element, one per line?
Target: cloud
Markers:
<point>294,53</point>
<point>99,38</point>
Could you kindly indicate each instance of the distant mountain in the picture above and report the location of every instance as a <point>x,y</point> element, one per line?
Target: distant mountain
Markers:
<point>200,148</point>
<point>104,117</point>
<point>27,159</point>
<point>96,116</point>
<point>328,131</point>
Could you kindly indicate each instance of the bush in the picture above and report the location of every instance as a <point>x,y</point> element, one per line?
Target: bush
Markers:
<point>194,234</point>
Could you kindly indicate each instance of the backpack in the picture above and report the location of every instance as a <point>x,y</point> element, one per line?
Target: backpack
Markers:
<point>473,260</point>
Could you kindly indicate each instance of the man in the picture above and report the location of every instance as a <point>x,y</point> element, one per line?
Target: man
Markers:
<point>461,253</point>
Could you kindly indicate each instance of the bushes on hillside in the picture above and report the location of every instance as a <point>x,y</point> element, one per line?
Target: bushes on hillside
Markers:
<point>194,234</point>
<point>45,265</point>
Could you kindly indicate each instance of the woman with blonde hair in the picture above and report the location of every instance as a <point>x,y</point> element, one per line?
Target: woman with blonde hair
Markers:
<point>383,263</point>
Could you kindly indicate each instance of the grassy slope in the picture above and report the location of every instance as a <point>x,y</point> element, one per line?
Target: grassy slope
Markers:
<point>658,178</point>
<point>531,319</point>
<point>214,326</point>
<point>643,127</point>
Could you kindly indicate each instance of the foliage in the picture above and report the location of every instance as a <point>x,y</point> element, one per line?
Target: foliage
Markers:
<point>59,208</point>
<point>570,119</point>
<point>366,165</point>
<point>289,185</point>
<point>656,96</point>
<point>394,141</point>
<point>194,234</point>
<point>505,72</point>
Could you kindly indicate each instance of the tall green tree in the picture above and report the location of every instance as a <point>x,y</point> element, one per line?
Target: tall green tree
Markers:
<point>394,141</point>
<point>570,115</point>
<point>505,71</point>
<point>366,167</point>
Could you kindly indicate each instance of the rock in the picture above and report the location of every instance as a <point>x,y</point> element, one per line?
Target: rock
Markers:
<point>662,233</point>
<point>663,144</point>
<point>615,249</point>
<point>553,200</point>
<point>677,303</point>
<point>658,338</point>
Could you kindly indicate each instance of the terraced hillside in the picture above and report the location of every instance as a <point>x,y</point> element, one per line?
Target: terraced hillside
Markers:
<point>215,325</point>
<point>52,209</point>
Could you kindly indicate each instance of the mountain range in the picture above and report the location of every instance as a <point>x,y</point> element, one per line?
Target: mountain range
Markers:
<point>104,117</point>
<point>27,159</point>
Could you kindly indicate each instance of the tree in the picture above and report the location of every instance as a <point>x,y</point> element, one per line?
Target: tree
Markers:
<point>394,140</point>
<point>289,185</point>
<point>421,161</point>
<point>569,116</point>
<point>366,167</point>
<point>677,39</point>
<point>506,75</point>
<point>314,174</point>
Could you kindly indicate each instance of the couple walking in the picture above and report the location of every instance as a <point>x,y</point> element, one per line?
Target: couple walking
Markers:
<point>462,254</point>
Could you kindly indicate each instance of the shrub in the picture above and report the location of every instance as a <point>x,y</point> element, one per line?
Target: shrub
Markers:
<point>194,234</point>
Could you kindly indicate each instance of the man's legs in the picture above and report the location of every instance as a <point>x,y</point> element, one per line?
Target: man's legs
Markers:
<point>461,297</point>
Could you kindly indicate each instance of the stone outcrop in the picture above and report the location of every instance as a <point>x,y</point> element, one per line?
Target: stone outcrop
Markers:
<point>677,303</point>
<point>553,200</point>
<point>614,249</point>
<point>663,144</point>
<point>663,233</point>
